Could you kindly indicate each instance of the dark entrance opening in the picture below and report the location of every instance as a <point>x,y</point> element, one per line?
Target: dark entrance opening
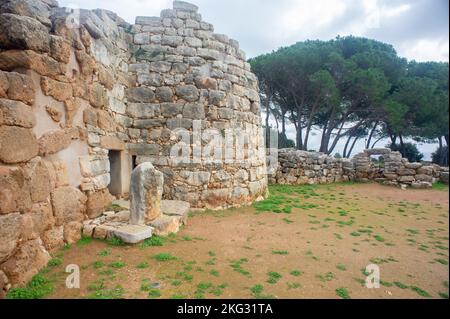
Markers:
<point>115,186</point>
<point>134,162</point>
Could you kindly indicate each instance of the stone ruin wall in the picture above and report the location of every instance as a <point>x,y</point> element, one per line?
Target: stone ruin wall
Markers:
<point>301,167</point>
<point>189,77</point>
<point>70,94</point>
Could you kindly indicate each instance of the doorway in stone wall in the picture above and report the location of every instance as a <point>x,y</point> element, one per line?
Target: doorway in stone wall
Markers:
<point>115,186</point>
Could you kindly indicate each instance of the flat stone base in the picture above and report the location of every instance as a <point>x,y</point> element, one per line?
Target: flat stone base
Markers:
<point>133,234</point>
<point>112,224</point>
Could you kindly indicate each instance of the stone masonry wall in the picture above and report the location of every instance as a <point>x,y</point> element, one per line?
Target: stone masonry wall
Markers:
<point>59,86</point>
<point>77,85</point>
<point>300,167</point>
<point>190,78</point>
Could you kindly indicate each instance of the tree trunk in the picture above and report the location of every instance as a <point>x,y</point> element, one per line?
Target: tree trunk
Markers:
<point>376,142</point>
<point>346,146</point>
<point>353,146</point>
<point>267,121</point>
<point>372,132</point>
<point>402,145</point>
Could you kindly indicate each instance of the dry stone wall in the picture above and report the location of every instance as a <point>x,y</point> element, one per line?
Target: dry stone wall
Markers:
<point>78,85</point>
<point>191,80</point>
<point>300,167</point>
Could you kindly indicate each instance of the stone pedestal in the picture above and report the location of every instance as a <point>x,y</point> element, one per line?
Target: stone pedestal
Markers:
<point>145,194</point>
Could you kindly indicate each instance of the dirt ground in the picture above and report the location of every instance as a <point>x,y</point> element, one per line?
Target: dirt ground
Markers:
<point>317,246</point>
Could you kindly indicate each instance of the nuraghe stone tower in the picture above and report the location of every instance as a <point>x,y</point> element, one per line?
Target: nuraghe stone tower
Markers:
<point>85,97</point>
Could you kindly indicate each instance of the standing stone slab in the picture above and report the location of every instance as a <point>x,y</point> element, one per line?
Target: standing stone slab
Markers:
<point>145,194</point>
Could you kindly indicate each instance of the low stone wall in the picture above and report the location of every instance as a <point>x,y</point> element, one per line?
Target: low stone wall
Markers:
<point>301,167</point>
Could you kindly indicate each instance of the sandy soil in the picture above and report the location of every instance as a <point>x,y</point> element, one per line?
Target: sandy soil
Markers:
<point>329,239</point>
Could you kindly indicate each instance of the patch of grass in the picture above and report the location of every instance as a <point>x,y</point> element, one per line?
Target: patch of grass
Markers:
<point>288,221</point>
<point>343,293</point>
<point>355,234</point>
<point>212,253</point>
<point>341,267</point>
<point>386,283</point>
<point>327,277</point>
<point>294,285</point>
<point>164,257</point>
<point>379,238</point>
<point>440,186</point>
<point>237,266</point>
<point>55,262</point>
<point>117,264</point>
<point>296,273</point>
<point>99,264</point>
<point>442,261</point>
<point>176,283</point>
<point>204,285</point>
<point>257,290</point>
<point>187,238</point>
<point>154,241</point>
<point>154,293</point>
<point>280,252</point>
<point>420,291</point>
<point>115,293</point>
<point>143,265</point>
<point>39,287</point>
<point>116,241</point>
<point>400,285</point>
<point>443,295</point>
<point>105,252</point>
<point>84,241</point>
<point>274,277</point>
<point>214,273</point>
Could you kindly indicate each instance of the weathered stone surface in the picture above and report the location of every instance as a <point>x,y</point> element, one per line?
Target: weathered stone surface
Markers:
<point>20,32</point>
<point>13,59</point>
<point>37,174</point>
<point>145,194</point>
<point>16,113</point>
<point>54,113</point>
<point>42,217</point>
<point>59,90</point>
<point>143,110</point>
<point>97,202</point>
<point>176,208</point>
<point>38,10</point>
<point>14,193</point>
<point>166,225</point>
<point>133,234</point>
<point>26,262</point>
<point>16,86</point>
<point>60,49</point>
<point>194,111</point>
<point>184,6</point>
<point>17,144</point>
<point>72,232</point>
<point>188,92</point>
<point>68,205</point>
<point>10,231</point>
<point>53,142</point>
<point>4,285</point>
<point>141,95</point>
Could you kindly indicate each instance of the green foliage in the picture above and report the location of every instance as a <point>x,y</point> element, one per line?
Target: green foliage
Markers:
<point>408,150</point>
<point>39,287</point>
<point>153,241</point>
<point>165,257</point>
<point>343,293</point>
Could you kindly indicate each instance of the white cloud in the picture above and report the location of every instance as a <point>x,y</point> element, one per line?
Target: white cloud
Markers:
<point>426,50</point>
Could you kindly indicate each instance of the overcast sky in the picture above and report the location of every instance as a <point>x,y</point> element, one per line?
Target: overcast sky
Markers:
<point>418,29</point>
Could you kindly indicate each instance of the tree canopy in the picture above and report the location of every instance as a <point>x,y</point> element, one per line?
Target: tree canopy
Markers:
<point>353,88</point>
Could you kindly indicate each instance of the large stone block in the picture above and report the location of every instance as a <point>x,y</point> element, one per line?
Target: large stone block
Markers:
<point>26,262</point>
<point>69,204</point>
<point>16,86</point>
<point>37,174</point>
<point>188,92</point>
<point>145,194</point>
<point>23,33</point>
<point>10,231</point>
<point>53,142</point>
<point>16,113</point>
<point>17,144</point>
<point>97,202</point>
<point>44,65</point>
